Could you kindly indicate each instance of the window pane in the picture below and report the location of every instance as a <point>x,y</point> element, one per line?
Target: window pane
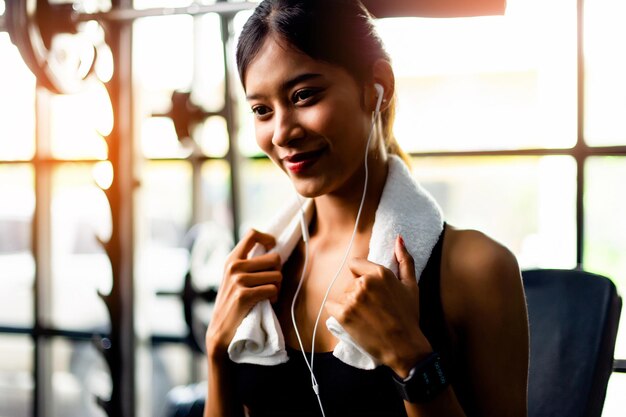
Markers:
<point>78,121</point>
<point>614,403</point>
<point>162,257</point>
<point>79,374</point>
<point>216,193</point>
<point>527,203</point>
<point>165,202</point>
<point>486,82</point>
<point>163,53</point>
<point>605,88</point>
<point>17,266</point>
<point>159,140</point>
<point>16,381</point>
<point>246,139</point>
<point>17,104</point>
<point>213,137</point>
<point>605,227</point>
<point>213,235</point>
<point>80,214</point>
<point>208,82</point>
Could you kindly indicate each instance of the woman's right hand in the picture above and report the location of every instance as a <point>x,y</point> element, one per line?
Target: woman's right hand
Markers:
<point>245,283</point>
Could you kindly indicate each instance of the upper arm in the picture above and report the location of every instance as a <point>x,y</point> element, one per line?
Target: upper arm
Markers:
<point>488,307</point>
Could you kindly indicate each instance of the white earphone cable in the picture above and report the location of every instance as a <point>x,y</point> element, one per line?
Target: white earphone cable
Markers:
<point>343,262</point>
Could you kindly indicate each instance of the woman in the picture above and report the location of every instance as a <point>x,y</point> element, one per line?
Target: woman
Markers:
<point>309,69</point>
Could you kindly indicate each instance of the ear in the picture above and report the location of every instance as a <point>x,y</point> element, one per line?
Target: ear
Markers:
<point>382,73</point>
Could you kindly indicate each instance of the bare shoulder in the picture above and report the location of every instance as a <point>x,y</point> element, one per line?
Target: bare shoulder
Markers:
<point>483,299</point>
<point>470,254</point>
<point>479,275</point>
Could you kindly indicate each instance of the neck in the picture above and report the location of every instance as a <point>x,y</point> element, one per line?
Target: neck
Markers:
<point>337,212</point>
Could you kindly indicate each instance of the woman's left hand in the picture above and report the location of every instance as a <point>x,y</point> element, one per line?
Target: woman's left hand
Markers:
<point>381,311</point>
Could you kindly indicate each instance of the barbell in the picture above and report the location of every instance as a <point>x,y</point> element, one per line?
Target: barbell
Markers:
<point>62,43</point>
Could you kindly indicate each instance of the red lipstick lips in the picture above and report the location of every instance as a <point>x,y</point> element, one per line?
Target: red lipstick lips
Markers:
<point>299,162</point>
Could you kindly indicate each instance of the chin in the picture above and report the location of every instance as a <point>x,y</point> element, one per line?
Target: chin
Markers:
<point>307,192</point>
<point>308,188</point>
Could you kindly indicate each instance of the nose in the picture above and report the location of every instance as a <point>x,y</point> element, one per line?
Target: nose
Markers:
<point>286,127</point>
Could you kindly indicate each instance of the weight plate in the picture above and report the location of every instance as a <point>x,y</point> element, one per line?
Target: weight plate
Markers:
<point>59,53</point>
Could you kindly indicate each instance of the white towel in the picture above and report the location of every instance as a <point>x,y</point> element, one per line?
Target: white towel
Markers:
<point>259,338</point>
<point>405,208</point>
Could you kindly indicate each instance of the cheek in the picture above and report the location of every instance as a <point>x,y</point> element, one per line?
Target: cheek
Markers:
<point>345,126</point>
<point>328,121</point>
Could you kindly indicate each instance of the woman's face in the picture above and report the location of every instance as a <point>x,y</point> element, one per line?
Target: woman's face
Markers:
<point>309,119</point>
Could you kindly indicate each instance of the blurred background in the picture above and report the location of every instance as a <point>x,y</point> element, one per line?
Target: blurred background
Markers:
<point>516,124</point>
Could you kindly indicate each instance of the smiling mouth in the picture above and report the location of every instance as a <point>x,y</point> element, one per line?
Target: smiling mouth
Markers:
<point>301,161</point>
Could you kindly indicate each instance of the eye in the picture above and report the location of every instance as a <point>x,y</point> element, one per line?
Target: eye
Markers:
<point>261,111</point>
<point>304,95</point>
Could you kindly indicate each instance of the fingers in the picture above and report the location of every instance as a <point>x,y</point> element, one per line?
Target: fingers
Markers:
<point>249,280</point>
<point>352,310</point>
<point>264,269</point>
<point>251,296</point>
<point>406,266</point>
<point>249,240</point>
<point>251,287</point>
<point>267,262</point>
<point>344,313</point>
<point>259,278</point>
<point>264,292</point>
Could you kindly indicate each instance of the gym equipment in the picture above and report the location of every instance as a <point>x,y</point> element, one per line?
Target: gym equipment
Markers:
<point>63,44</point>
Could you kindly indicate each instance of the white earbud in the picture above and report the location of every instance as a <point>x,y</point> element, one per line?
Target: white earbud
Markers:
<point>380,94</point>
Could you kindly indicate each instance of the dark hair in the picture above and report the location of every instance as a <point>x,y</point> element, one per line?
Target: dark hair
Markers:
<point>339,32</point>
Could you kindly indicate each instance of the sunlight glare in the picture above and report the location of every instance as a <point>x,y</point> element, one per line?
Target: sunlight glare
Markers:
<point>102,173</point>
<point>78,122</point>
<point>158,139</point>
<point>17,104</point>
<point>214,137</point>
<point>605,66</point>
<point>507,81</point>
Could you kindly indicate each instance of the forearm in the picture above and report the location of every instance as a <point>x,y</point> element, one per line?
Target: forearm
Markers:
<point>221,399</point>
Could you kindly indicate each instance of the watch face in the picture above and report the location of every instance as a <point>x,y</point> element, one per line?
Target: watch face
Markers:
<point>425,381</point>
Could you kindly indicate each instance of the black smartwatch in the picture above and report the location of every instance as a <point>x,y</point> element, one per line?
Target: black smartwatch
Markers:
<point>425,381</point>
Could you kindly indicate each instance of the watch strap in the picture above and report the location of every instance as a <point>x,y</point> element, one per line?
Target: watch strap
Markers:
<point>425,381</point>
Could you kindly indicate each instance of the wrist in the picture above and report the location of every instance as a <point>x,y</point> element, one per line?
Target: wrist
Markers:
<point>216,352</point>
<point>402,362</point>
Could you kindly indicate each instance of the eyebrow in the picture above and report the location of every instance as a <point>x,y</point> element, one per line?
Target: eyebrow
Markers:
<point>290,83</point>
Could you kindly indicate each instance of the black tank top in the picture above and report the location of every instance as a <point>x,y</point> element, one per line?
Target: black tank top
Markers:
<point>285,389</point>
